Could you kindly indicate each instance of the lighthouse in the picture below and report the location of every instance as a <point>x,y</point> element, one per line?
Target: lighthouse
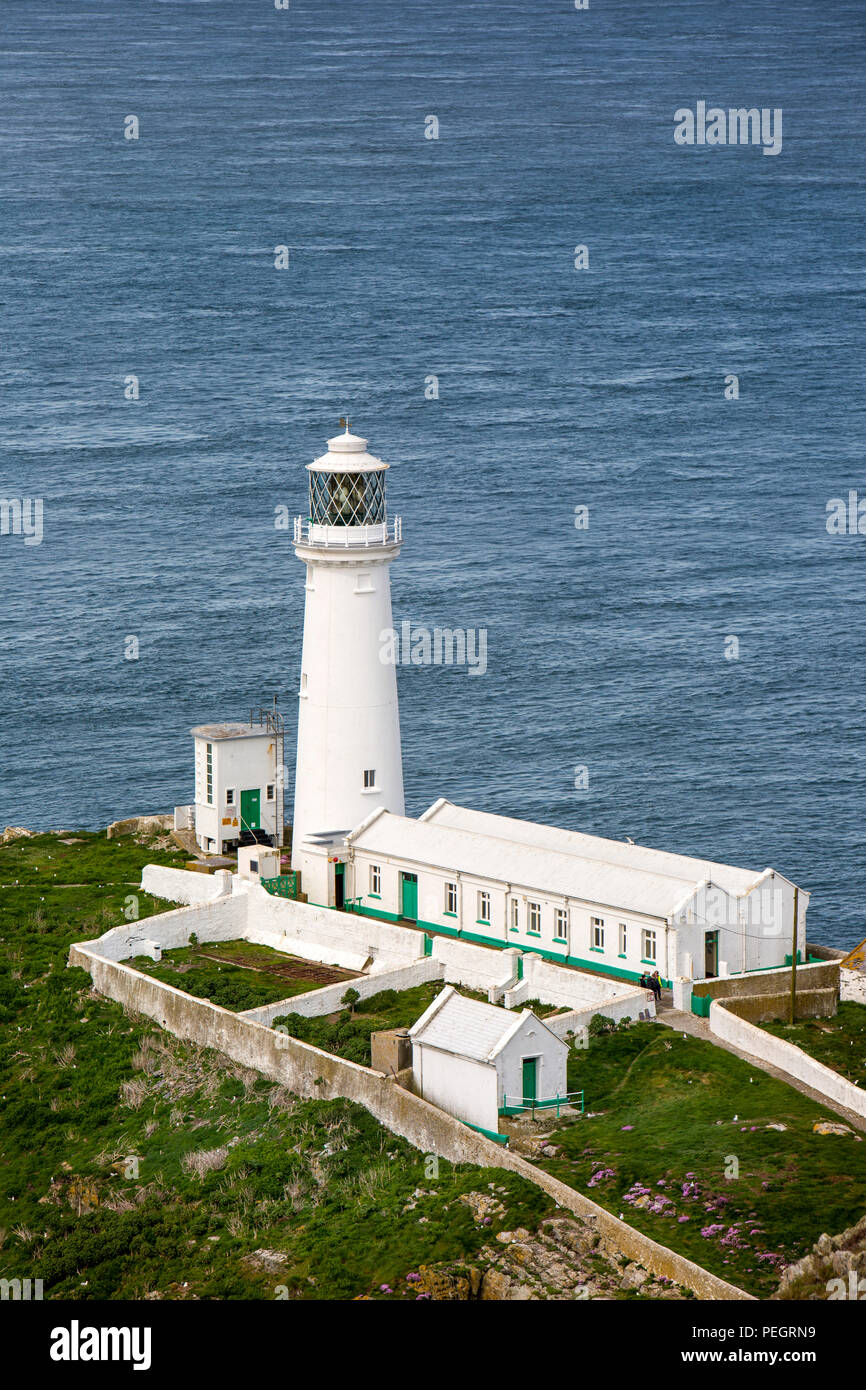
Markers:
<point>349,762</point>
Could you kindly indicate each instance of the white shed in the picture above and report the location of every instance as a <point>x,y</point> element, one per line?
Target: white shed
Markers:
<point>475,1059</point>
<point>236,786</point>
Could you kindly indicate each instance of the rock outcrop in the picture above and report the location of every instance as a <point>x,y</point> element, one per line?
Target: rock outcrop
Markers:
<point>835,1268</point>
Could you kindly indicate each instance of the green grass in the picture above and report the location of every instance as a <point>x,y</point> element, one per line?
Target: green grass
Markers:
<point>236,987</point>
<point>87,1087</point>
<point>347,1034</point>
<point>840,1042</point>
<point>667,1130</point>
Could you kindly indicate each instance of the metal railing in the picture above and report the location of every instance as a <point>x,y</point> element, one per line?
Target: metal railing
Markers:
<point>308,532</point>
<point>283,886</point>
<point>516,1105</point>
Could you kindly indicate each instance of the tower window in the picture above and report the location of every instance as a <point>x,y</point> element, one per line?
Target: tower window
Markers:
<point>210,774</point>
<point>451,899</point>
<point>269,792</point>
<point>230,796</point>
<point>370,779</point>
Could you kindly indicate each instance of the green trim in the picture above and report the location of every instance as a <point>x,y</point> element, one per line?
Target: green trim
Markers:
<point>563,939</point>
<point>488,1133</point>
<point>579,962</point>
<point>446,913</point>
<point>376,896</point>
<point>644,961</point>
<point>482,921</point>
<point>600,949</point>
<point>622,955</point>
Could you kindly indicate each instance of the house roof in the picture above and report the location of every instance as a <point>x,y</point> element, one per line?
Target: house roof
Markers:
<point>216,733</point>
<point>468,1028</point>
<point>685,868</point>
<point>551,862</point>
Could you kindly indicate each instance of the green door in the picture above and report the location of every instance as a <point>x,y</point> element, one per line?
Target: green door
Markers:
<point>251,809</point>
<point>409,896</point>
<point>530,1067</point>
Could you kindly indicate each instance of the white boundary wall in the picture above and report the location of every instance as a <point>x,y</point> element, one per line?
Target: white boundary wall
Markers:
<point>318,1002</point>
<point>184,885</point>
<point>790,1059</point>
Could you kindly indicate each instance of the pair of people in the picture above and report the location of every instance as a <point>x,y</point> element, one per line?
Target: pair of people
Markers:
<point>652,982</point>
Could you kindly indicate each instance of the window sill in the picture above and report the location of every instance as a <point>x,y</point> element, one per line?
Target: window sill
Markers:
<point>530,932</point>
<point>599,949</point>
<point>377,896</point>
<point>622,956</point>
<point>370,791</point>
<point>561,940</point>
<point>644,961</point>
<point>449,914</point>
<point>482,921</point>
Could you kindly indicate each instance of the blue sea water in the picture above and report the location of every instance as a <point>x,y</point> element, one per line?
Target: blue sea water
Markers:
<point>557,388</point>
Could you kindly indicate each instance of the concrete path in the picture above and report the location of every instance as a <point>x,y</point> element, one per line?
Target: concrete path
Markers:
<point>700,1028</point>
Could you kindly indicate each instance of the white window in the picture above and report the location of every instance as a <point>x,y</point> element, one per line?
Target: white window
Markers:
<point>269,792</point>
<point>623,939</point>
<point>303,682</point>
<point>533,918</point>
<point>230,796</point>
<point>484,907</point>
<point>210,774</point>
<point>370,779</point>
<point>597,925</point>
<point>648,944</point>
<point>560,924</point>
<point>364,584</point>
<point>515,915</point>
<point>451,899</point>
<point>375,880</point>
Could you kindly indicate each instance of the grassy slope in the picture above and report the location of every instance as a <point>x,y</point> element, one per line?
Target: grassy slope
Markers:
<point>838,1042</point>
<point>668,1105</point>
<point>86,1087</point>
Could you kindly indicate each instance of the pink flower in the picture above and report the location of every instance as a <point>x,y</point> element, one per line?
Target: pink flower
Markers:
<point>628,1126</point>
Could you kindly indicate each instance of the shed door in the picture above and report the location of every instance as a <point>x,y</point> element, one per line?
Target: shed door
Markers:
<point>530,1071</point>
<point>251,807</point>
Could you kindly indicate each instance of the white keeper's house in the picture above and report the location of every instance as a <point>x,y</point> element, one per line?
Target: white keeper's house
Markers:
<point>597,904</point>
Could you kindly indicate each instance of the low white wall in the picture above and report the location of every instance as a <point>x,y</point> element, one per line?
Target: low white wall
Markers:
<point>793,1060</point>
<point>623,1006</point>
<point>184,885</point>
<point>319,1002</point>
<point>362,937</point>
<point>224,920</point>
<point>573,989</point>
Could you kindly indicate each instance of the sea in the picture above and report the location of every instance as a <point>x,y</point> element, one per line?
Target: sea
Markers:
<point>620,380</point>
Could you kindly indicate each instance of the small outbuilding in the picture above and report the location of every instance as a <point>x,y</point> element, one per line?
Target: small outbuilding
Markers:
<point>236,786</point>
<point>475,1060</point>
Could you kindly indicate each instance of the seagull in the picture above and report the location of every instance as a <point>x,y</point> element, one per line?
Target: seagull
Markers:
<point>630,840</point>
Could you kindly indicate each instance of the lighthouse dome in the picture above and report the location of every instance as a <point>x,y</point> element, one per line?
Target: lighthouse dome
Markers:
<point>347,453</point>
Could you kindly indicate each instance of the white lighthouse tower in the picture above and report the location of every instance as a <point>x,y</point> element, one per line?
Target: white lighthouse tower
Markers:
<point>349,761</point>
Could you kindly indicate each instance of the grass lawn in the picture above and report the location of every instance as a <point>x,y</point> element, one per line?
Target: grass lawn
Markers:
<point>838,1042</point>
<point>136,1165</point>
<point>669,1117</point>
<point>238,974</point>
<point>347,1034</point>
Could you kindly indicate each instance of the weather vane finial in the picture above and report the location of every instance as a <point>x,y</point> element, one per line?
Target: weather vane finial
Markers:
<point>344,420</point>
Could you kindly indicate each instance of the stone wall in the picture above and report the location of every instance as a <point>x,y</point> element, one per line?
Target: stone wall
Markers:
<point>310,1072</point>
<point>767,1008</point>
<point>824,975</point>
